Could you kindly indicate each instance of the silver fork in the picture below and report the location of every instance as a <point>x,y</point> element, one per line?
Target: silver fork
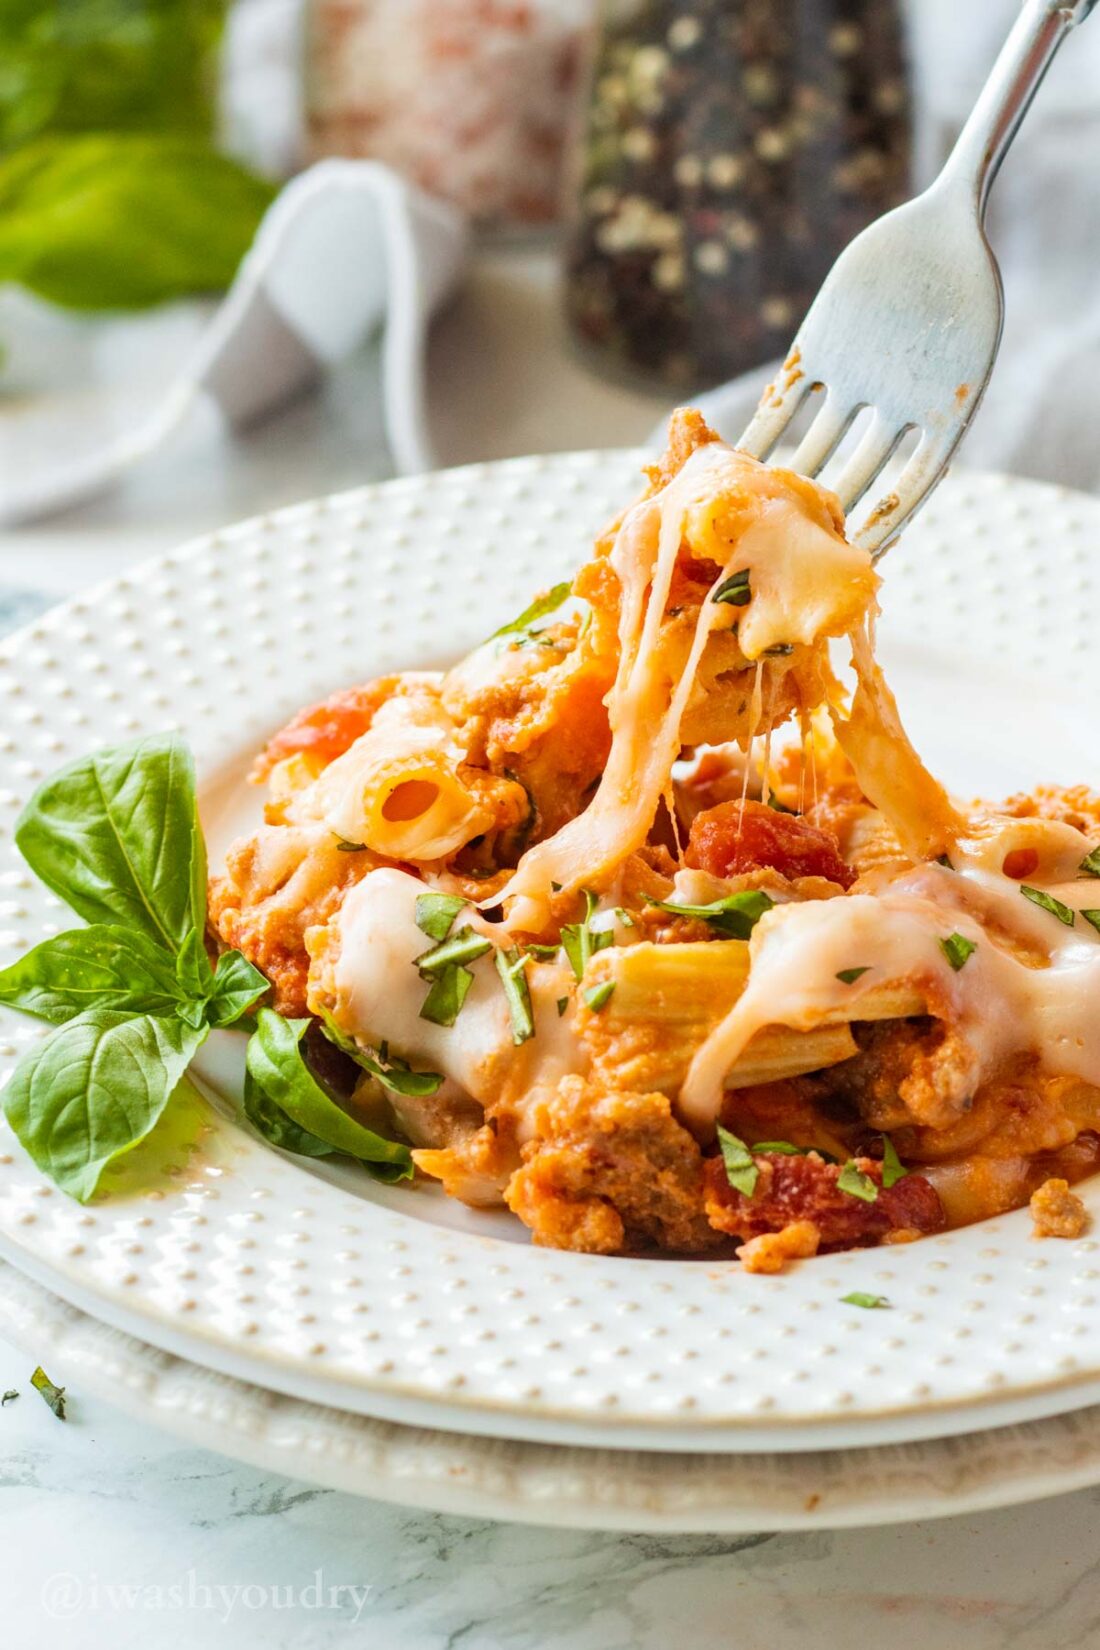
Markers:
<point>909,319</point>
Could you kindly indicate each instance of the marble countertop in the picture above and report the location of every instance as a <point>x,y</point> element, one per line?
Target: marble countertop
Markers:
<point>112,1534</point>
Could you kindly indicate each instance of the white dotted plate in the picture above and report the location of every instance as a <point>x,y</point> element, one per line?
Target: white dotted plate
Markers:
<point>397,1302</point>
<point>654,1491</point>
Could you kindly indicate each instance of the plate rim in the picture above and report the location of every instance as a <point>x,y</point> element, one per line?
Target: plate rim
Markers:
<point>548,1485</point>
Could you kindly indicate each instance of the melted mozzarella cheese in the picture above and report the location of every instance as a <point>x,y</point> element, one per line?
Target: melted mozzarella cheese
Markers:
<point>806,582</point>
<point>1031,985</point>
<point>378,993</point>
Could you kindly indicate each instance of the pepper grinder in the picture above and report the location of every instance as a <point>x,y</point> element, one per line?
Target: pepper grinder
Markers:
<point>730,150</point>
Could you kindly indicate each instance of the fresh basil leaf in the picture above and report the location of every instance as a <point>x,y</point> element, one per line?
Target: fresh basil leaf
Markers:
<point>734,591</point>
<point>1039,896</point>
<point>464,947</point>
<point>103,966</point>
<point>1090,865</point>
<point>511,965</point>
<point>237,986</point>
<point>599,995</point>
<point>277,1127</point>
<point>449,990</point>
<point>120,220</point>
<point>852,1181</point>
<point>193,970</point>
<point>109,66</point>
<point>734,917</point>
<point>435,913</point>
<point>54,1396</point>
<point>116,835</point>
<point>958,950</point>
<point>741,1171</point>
<point>539,608</point>
<point>849,976</point>
<point>277,1066</point>
<point>870,1303</point>
<point>1093,918</point>
<point>95,1088</point>
<point>892,1168</point>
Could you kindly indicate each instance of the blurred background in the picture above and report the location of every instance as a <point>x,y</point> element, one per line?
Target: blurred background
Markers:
<point>644,197</point>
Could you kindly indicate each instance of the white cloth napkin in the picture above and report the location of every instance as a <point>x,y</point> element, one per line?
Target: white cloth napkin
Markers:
<point>346,250</point>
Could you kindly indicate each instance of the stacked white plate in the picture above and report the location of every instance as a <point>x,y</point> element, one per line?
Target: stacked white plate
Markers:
<point>393,1342</point>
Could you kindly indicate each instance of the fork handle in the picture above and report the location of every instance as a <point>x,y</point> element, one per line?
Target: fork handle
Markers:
<point>1006,96</point>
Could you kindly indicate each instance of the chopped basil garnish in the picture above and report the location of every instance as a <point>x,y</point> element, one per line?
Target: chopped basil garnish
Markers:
<point>542,953</point>
<point>781,650</point>
<point>391,1072</point>
<point>511,965</point>
<point>734,591</point>
<point>942,859</point>
<point>449,990</point>
<point>580,942</point>
<point>1038,896</point>
<point>399,1076</point>
<point>435,913</point>
<point>870,1302</point>
<point>1090,865</point>
<point>848,976</point>
<point>624,917</point>
<point>465,946</point>
<point>599,994</point>
<point>343,846</point>
<point>563,1004</point>
<point>734,917</point>
<point>741,1172</point>
<point>783,1148</point>
<point>539,608</point>
<point>958,949</point>
<point>1092,917</point>
<point>53,1395</point>
<point>855,1183</point>
<point>892,1169</point>
<point>9,1397</point>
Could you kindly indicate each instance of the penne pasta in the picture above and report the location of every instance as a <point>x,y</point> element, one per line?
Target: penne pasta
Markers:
<point>607,953</point>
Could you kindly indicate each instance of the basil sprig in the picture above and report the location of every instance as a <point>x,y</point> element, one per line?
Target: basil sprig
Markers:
<point>133,996</point>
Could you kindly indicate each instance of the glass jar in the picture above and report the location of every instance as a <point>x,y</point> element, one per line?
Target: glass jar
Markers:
<point>731,149</point>
<point>471,99</point>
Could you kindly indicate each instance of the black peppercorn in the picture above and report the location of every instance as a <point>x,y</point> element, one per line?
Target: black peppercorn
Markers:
<point>732,148</point>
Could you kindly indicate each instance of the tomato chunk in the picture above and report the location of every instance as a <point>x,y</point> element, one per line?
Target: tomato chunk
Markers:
<point>790,1189</point>
<point>741,836</point>
<point>326,730</point>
